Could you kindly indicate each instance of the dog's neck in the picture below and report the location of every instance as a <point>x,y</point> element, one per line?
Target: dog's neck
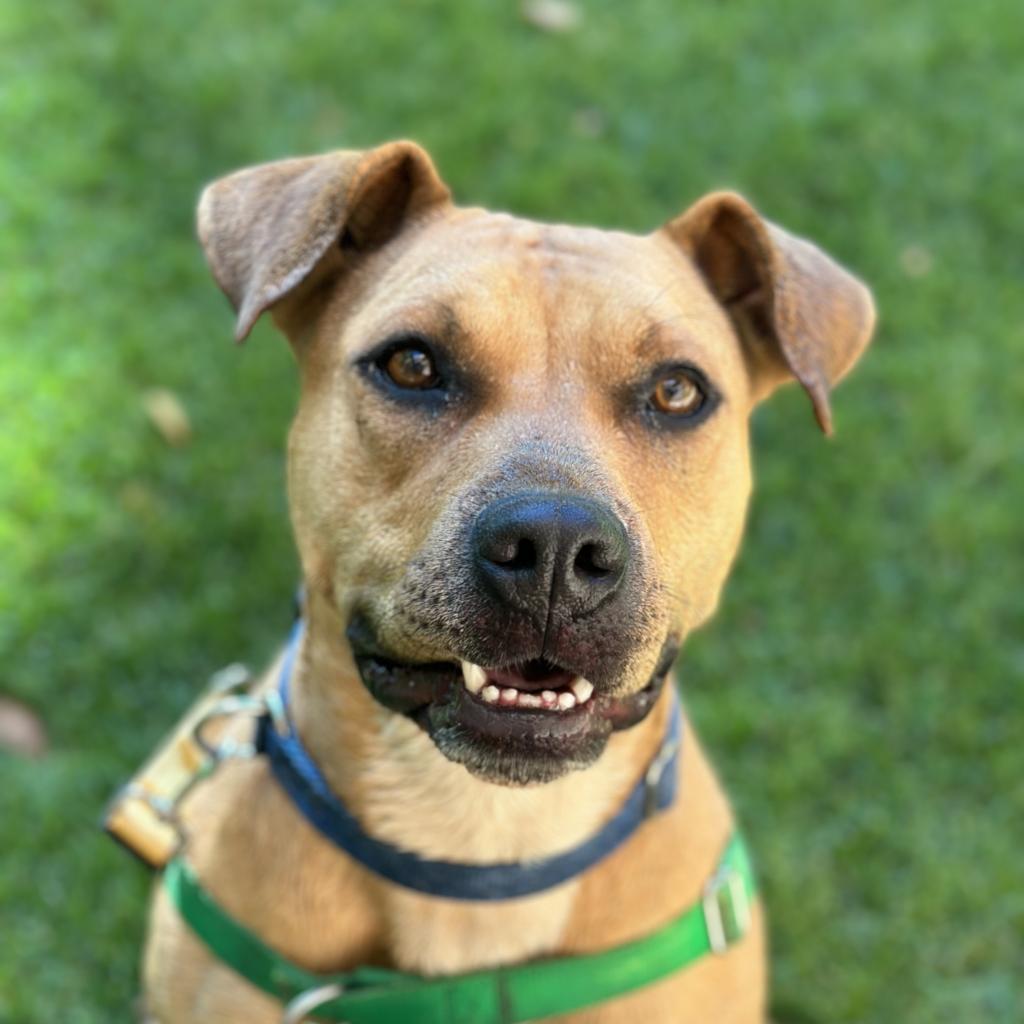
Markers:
<point>390,774</point>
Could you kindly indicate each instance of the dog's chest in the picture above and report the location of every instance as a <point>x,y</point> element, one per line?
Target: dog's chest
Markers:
<point>444,813</point>
<point>431,936</point>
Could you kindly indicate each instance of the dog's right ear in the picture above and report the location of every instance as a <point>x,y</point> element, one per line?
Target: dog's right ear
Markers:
<point>264,229</point>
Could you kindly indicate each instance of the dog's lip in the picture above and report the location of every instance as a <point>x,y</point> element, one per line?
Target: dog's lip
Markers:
<point>563,726</point>
<point>420,690</point>
<point>407,686</point>
<point>411,689</point>
<point>514,723</point>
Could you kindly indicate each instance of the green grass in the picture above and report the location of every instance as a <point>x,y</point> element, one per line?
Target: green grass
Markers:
<point>860,687</point>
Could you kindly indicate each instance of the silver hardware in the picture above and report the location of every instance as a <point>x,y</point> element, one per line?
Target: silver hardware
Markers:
<point>306,1002</point>
<point>725,894</point>
<point>166,808</point>
<point>276,710</point>
<point>230,748</point>
<point>654,773</point>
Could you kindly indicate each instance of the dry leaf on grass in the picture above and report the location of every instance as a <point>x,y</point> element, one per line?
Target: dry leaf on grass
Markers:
<point>552,15</point>
<point>21,731</point>
<point>168,415</point>
<point>916,261</point>
<point>589,123</point>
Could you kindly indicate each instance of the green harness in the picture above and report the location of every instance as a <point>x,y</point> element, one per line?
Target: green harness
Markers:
<point>144,816</point>
<point>503,995</point>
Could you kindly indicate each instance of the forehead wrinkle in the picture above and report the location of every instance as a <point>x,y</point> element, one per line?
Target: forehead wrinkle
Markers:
<point>551,291</point>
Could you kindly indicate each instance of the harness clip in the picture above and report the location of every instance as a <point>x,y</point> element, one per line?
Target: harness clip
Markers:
<point>144,814</point>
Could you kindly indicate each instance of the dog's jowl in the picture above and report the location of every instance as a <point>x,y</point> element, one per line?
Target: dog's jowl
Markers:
<point>517,476</point>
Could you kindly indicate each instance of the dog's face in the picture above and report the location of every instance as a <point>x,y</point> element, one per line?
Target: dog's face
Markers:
<point>519,468</point>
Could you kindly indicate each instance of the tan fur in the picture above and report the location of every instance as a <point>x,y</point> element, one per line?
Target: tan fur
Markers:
<point>548,316</point>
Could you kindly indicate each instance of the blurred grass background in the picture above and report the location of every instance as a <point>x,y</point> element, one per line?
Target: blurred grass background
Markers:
<point>861,686</point>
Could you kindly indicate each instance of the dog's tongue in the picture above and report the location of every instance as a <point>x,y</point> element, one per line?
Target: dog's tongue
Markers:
<point>531,676</point>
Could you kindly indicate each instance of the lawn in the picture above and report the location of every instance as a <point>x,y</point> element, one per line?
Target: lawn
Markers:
<point>860,688</point>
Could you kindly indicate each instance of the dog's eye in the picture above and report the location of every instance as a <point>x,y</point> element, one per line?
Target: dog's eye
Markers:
<point>678,393</point>
<point>412,368</point>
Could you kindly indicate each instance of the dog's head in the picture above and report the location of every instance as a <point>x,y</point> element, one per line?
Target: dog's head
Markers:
<point>519,468</point>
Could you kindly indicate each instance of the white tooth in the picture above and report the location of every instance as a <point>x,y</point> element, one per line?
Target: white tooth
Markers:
<point>566,701</point>
<point>529,700</point>
<point>508,696</point>
<point>474,676</point>
<point>490,693</point>
<point>549,696</point>
<point>583,688</point>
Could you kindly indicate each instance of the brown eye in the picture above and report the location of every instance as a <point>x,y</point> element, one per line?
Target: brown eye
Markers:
<point>678,394</point>
<point>411,368</point>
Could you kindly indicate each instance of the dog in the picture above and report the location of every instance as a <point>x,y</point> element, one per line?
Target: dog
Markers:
<point>518,477</point>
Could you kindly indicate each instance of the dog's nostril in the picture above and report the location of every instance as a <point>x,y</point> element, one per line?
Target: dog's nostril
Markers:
<point>592,561</point>
<point>519,554</point>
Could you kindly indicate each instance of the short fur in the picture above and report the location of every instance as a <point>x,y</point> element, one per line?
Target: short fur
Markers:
<point>552,323</point>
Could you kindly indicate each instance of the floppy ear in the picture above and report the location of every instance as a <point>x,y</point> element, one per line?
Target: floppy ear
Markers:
<point>264,229</point>
<point>799,313</point>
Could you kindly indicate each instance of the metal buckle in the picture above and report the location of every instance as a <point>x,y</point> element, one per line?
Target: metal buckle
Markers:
<point>306,1002</point>
<point>726,908</point>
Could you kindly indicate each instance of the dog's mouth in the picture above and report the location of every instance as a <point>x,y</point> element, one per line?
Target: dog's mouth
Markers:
<point>519,694</point>
<point>533,685</point>
<point>529,721</point>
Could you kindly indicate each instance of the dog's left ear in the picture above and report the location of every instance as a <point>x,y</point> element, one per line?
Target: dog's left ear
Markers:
<point>798,312</point>
<point>265,229</point>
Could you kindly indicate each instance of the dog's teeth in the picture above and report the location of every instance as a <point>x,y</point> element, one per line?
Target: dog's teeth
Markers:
<point>474,676</point>
<point>579,692</point>
<point>583,688</point>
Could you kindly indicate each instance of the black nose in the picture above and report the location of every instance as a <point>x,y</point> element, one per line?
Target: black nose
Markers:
<point>536,552</point>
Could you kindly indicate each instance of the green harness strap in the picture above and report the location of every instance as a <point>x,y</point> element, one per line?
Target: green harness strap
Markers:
<point>505,995</point>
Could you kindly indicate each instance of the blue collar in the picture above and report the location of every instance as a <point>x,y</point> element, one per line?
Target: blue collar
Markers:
<point>302,780</point>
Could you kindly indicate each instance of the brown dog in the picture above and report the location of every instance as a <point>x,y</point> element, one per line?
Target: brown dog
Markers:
<point>522,448</point>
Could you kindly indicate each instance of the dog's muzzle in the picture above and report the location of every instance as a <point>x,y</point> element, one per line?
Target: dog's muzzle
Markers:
<point>538,602</point>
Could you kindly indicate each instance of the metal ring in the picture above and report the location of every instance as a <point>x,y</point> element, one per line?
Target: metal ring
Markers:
<point>227,706</point>
<point>652,777</point>
<point>306,1002</point>
<point>276,709</point>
